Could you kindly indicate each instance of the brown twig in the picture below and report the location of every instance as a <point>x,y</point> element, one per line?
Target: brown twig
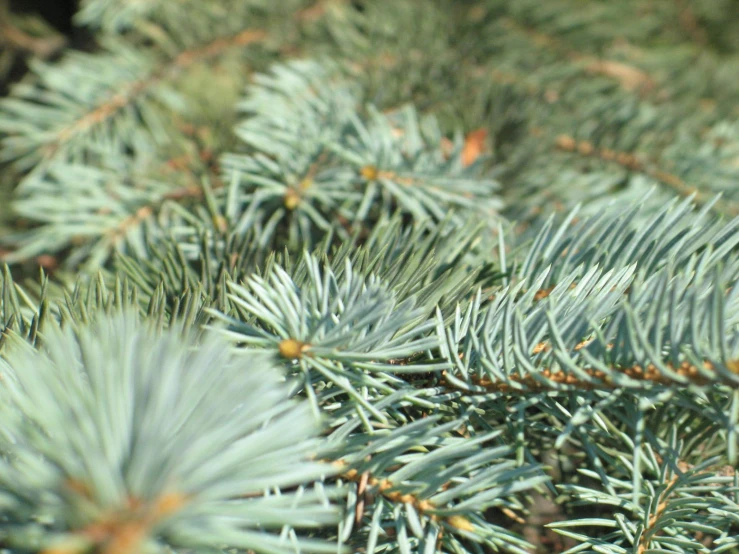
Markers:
<point>683,466</point>
<point>690,24</point>
<point>109,108</point>
<point>317,10</point>
<point>123,531</point>
<point>633,162</point>
<point>629,77</point>
<point>43,47</point>
<point>385,488</point>
<point>646,536</point>
<point>15,38</point>
<point>140,215</point>
<point>552,380</point>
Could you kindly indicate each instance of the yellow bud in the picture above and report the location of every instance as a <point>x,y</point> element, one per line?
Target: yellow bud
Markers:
<point>169,503</point>
<point>460,522</point>
<point>292,199</point>
<point>220,223</point>
<point>369,172</point>
<point>292,349</point>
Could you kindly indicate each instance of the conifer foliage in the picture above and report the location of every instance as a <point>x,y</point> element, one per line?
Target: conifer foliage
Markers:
<point>377,277</point>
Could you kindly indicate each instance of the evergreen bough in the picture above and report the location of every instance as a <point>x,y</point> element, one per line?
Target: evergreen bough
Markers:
<point>389,276</point>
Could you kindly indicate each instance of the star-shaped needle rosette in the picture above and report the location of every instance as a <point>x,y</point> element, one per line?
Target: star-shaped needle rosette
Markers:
<point>340,332</point>
<point>116,438</point>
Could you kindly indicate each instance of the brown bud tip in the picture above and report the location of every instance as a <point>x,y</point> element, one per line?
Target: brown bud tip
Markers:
<point>566,142</point>
<point>220,223</point>
<point>292,199</point>
<point>474,146</point>
<point>292,349</point>
<point>608,154</point>
<point>369,172</point>
<point>460,522</point>
<point>586,148</point>
<point>169,503</point>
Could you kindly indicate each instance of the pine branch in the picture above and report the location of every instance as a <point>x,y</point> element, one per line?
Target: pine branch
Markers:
<point>630,78</point>
<point>593,334</point>
<point>429,487</point>
<point>15,38</point>
<point>671,509</point>
<point>632,162</point>
<point>206,479</point>
<point>460,369</point>
<point>67,134</point>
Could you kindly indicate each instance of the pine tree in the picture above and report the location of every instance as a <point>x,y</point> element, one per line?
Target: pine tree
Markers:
<point>388,276</point>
